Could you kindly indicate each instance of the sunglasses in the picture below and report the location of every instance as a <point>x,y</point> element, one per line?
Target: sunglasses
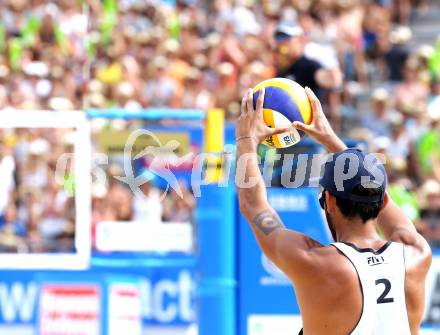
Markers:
<point>281,36</point>
<point>322,200</point>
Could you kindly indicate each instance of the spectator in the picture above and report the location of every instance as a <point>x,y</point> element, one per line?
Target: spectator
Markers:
<point>13,223</point>
<point>378,121</point>
<point>55,222</point>
<point>403,10</point>
<point>160,90</point>
<point>411,95</point>
<point>423,55</point>
<point>11,233</point>
<point>119,196</point>
<point>428,151</point>
<point>147,207</point>
<point>349,37</point>
<point>429,223</point>
<point>399,147</point>
<point>434,100</point>
<point>7,170</point>
<point>177,208</point>
<point>293,64</point>
<point>102,209</point>
<point>195,94</point>
<point>35,172</point>
<point>398,53</point>
<point>225,84</point>
<point>402,190</point>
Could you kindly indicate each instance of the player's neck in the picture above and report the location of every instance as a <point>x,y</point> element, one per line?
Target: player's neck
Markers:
<point>357,232</point>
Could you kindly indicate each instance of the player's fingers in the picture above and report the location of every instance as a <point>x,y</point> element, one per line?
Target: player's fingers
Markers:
<point>260,101</point>
<point>314,101</point>
<point>249,101</point>
<point>243,105</point>
<point>301,126</point>
<point>276,131</point>
<point>310,93</point>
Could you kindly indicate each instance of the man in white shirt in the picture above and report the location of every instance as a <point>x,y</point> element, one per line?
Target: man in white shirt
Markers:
<point>7,183</point>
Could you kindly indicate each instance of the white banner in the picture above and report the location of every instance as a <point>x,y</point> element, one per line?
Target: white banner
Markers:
<point>141,236</point>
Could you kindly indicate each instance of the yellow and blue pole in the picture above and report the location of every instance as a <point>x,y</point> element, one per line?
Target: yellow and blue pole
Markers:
<point>216,217</point>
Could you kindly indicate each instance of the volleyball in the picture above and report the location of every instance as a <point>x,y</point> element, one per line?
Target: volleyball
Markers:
<point>285,101</point>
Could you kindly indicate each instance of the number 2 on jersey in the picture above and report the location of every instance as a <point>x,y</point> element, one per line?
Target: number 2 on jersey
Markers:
<point>383,297</point>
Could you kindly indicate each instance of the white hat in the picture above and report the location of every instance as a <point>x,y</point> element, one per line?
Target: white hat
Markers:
<point>95,86</point>
<point>38,147</point>
<point>401,35</point>
<point>434,109</point>
<point>381,143</point>
<point>425,51</point>
<point>380,94</point>
<point>431,187</point>
<point>225,68</point>
<point>288,30</point>
<point>69,137</point>
<point>257,67</point>
<point>38,69</point>
<point>125,88</point>
<point>99,191</point>
<point>43,88</point>
<point>60,103</point>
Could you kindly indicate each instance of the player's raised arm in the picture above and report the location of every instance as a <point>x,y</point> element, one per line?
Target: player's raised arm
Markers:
<point>276,242</point>
<point>396,226</point>
<point>392,221</point>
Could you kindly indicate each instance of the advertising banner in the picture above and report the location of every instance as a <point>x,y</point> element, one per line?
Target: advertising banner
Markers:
<point>70,309</point>
<point>114,141</point>
<point>124,309</point>
<point>158,292</point>
<point>167,297</point>
<point>432,311</point>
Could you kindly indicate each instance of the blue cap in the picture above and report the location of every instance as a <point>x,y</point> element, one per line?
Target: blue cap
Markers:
<point>349,168</point>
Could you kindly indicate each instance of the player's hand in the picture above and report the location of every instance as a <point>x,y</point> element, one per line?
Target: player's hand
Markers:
<point>320,129</point>
<point>251,124</point>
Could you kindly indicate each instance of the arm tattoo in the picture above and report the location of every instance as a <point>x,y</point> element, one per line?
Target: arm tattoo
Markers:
<point>267,222</point>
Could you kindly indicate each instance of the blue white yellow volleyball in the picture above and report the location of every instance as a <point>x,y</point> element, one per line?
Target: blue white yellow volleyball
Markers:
<point>285,101</point>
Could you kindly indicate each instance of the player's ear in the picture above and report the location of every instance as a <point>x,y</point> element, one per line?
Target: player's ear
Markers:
<point>386,199</point>
<point>330,202</point>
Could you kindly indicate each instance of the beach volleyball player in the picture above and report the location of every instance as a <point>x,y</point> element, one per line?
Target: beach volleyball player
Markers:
<point>361,284</point>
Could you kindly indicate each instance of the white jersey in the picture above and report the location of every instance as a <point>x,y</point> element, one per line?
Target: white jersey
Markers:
<point>382,277</point>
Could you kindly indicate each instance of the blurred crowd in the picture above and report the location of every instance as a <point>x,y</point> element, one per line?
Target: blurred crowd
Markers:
<point>42,54</point>
<point>357,54</point>
<point>37,211</point>
<point>114,201</point>
<point>37,193</point>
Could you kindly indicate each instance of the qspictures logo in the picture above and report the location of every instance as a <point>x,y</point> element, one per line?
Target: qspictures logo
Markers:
<point>298,170</point>
<point>156,167</point>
